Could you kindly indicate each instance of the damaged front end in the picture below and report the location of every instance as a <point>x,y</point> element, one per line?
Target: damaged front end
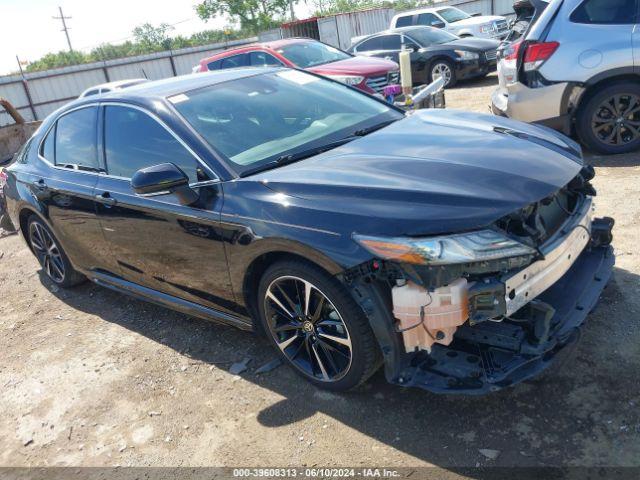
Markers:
<point>476,312</point>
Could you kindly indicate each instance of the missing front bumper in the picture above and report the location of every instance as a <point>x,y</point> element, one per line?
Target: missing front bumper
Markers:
<point>490,356</point>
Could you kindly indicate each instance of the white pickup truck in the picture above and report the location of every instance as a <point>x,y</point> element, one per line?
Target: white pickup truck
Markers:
<point>455,21</point>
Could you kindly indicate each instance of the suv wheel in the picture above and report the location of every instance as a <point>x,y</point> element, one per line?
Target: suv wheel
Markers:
<point>52,258</point>
<point>609,122</point>
<point>316,326</point>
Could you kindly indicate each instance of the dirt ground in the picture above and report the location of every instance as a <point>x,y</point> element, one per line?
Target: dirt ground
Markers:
<point>90,377</point>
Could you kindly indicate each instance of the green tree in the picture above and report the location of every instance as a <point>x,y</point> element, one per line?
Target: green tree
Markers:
<point>252,15</point>
<point>150,39</point>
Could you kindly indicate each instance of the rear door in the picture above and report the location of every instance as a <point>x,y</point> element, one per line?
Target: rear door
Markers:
<point>66,187</point>
<point>156,241</point>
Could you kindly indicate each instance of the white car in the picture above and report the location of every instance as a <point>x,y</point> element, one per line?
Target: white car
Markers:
<point>111,86</point>
<point>455,21</point>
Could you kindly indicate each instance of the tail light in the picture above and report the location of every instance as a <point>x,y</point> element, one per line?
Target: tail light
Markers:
<point>537,53</point>
<point>512,51</point>
<point>3,178</point>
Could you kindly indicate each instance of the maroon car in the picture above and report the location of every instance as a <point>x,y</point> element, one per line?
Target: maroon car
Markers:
<point>368,74</point>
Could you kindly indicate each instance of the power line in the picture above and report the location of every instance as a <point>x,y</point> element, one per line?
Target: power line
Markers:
<point>65,29</point>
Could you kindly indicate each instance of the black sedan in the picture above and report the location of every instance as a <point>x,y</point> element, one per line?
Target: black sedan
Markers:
<point>456,249</point>
<point>434,53</point>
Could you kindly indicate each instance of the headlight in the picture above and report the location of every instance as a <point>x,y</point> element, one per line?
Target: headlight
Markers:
<point>464,55</point>
<point>487,28</point>
<point>347,79</point>
<point>471,247</point>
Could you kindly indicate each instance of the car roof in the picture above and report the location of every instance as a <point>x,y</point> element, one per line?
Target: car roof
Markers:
<point>424,10</point>
<point>398,30</point>
<point>272,45</point>
<point>147,92</point>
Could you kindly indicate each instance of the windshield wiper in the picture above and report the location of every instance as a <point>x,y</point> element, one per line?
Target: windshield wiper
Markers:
<point>378,126</point>
<point>301,155</point>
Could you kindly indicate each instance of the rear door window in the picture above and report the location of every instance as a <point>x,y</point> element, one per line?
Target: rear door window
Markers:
<point>606,12</point>
<point>234,61</point>
<point>75,139</point>
<point>392,42</point>
<point>373,44</point>
<point>133,140</point>
<point>428,19</point>
<point>405,21</point>
<point>214,65</point>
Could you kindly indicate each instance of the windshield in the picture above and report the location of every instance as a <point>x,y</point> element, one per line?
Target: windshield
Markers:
<point>310,54</point>
<point>452,15</point>
<point>426,36</point>
<point>256,120</point>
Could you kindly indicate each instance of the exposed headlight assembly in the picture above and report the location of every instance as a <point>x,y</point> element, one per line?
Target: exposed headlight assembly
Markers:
<point>347,79</point>
<point>480,246</point>
<point>464,55</point>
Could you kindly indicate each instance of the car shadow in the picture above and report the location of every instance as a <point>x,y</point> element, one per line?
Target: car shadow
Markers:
<point>624,160</point>
<point>558,419</point>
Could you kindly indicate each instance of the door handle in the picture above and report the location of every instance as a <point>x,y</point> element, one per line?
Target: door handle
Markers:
<point>39,184</point>
<point>106,199</point>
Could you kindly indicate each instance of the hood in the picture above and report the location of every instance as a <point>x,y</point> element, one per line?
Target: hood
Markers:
<point>437,171</point>
<point>363,66</point>
<point>474,44</point>
<point>474,21</point>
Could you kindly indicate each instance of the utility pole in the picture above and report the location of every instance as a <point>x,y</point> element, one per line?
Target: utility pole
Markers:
<point>65,29</point>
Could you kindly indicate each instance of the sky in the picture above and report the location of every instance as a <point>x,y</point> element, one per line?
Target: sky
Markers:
<point>28,30</point>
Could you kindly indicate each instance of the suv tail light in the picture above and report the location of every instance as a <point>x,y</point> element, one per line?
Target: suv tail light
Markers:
<point>537,53</point>
<point>512,51</point>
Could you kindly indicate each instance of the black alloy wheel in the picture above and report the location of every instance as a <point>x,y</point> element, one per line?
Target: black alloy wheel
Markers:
<point>308,328</point>
<point>50,255</point>
<point>316,326</point>
<point>609,122</point>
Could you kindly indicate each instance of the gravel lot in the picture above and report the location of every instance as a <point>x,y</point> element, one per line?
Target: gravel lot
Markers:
<point>93,378</point>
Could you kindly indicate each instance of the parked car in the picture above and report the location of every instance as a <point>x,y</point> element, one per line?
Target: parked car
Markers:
<point>434,53</point>
<point>111,86</point>
<point>455,21</point>
<point>370,75</point>
<point>576,71</point>
<point>352,234</point>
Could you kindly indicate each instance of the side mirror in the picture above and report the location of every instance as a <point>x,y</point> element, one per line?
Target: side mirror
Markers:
<point>164,178</point>
<point>438,24</point>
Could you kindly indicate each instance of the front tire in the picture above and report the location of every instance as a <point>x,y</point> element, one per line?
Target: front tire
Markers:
<point>53,260</point>
<point>443,68</point>
<point>316,326</point>
<point>609,121</point>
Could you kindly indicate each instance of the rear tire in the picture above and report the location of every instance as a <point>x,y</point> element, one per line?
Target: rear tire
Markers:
<point>609,121</point>
<point>53,260</point>
<point>316,326</point>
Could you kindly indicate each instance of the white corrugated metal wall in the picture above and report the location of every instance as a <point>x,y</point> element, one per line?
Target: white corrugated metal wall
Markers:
<point>51,89</point>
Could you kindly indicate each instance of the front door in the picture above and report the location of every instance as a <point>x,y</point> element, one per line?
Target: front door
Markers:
<point>156,241</point>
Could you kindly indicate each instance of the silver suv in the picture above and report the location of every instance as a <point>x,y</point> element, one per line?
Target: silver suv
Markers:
<point>575,71</point>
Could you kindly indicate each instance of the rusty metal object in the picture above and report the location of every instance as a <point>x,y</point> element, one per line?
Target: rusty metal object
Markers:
<point>11,110</point>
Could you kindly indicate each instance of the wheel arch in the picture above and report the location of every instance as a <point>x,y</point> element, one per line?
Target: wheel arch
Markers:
<point>263,261</point>
<point>23,218</point>
<point>593,87</point>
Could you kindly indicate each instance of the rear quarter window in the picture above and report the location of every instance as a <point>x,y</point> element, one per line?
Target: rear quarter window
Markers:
<point>606,12</point>
<point>404,21</point>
